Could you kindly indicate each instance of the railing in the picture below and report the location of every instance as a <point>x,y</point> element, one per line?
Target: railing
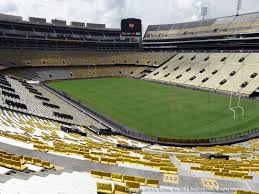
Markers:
<point>238,137</point>
<point>234,136</point>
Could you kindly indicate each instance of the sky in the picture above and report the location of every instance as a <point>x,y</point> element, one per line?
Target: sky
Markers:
<point>110,12</point>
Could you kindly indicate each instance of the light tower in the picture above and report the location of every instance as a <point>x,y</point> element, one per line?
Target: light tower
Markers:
<point>204,12</point>
<point>239,4</point>
<point>204,9</point>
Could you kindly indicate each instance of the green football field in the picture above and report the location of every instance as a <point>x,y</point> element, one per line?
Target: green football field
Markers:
<point>162,111</point>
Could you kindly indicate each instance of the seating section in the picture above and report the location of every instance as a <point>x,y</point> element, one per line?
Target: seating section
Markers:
<point>151,165</point>
<point>75,58</point>
<point>36,100</point>
<point>62,73</point>
<point>244,23</point>
<point>125,178</point>
<point>160,163</point>
<point>230,169</point>
<point>132,183</point>
<point>105,188</point>
<point>10,161</point>
<point>222,72</point>
<point>243,168</point>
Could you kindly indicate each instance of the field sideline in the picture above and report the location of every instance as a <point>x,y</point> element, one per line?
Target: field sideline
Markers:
<point>162,111</point>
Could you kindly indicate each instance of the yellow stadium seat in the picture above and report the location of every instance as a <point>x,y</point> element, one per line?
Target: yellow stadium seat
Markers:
<point>112,161</point>
<point>104,160</point>
<point>152,183</point>
<point>18,158</point>
<point>37,161</point>
<point>128,178</point>
<point>104,188</point>
<point>245,192</point>
<point>18,166</point>
<point>96,173</point>
<point>140,180</point>
<point>133,186</point>
<point>247,177</point>
<point>95,159</point>
<point>7,163</point>
<point>117,177</point>
<point>87,157</point>
<point>170,170</point>
<point>120,189</point>
<point>28,159</point>
<point>47,165</point>
<point>106,175</point>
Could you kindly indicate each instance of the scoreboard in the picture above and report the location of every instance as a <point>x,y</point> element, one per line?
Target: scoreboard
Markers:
<point>131,27</point>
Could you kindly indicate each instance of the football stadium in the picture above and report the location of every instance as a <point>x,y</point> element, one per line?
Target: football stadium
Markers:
<point>170,108</point>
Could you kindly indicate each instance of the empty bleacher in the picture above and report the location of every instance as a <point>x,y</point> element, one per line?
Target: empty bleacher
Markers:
<point>45,105</point>
<point>227,26</point>
<point>243,22</point>
<point>77,72</point>
<point>67,58</point>
<point>223,72</point>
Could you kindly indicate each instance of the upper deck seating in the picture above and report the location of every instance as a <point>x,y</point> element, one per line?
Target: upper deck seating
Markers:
<point>74,58</point>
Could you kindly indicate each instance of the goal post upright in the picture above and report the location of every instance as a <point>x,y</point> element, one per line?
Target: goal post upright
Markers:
<point>232,108</point>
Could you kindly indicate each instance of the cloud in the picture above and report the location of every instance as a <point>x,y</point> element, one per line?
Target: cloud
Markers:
<point>8,6</point>
<point>111,12</point>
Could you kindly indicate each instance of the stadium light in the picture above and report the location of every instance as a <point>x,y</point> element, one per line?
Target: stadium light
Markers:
<point>204,12</point>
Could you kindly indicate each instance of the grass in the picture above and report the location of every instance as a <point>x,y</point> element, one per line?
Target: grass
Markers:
<point>162,111</point>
